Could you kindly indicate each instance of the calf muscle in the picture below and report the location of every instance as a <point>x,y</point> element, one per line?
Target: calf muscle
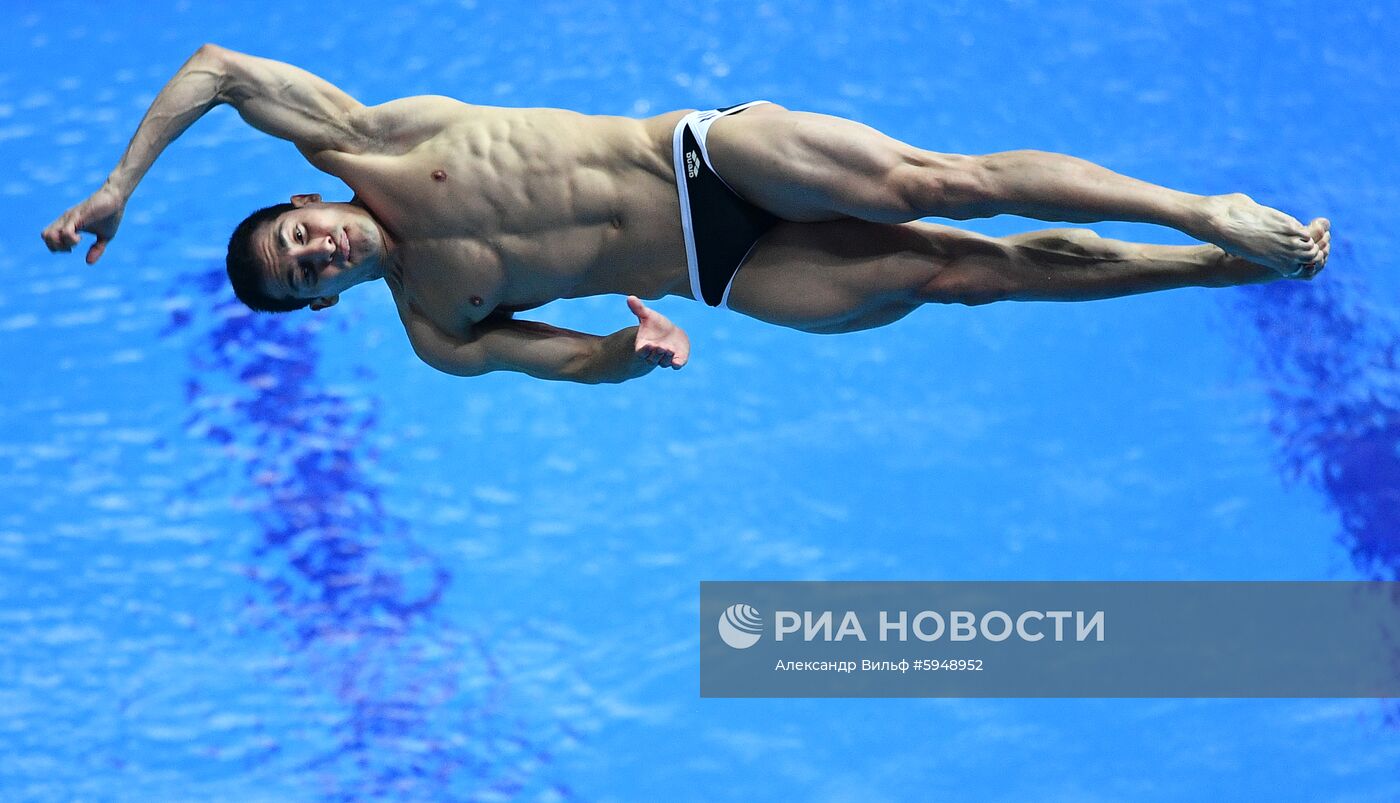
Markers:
<point>1078,265</point>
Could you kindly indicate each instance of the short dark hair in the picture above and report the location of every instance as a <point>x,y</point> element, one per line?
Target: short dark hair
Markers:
<point>245,265</point>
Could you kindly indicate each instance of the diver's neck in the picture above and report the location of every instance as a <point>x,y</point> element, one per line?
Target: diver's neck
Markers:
<point>386,261</point>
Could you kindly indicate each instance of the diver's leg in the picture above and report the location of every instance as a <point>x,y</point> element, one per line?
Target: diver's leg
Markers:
<point>847,275</point>
<point>810,167</point>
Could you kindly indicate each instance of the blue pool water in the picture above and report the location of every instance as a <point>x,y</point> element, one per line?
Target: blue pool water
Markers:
<point>278,559</point>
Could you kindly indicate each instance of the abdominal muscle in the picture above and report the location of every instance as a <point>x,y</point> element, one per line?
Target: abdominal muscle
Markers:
<point>621,233</point>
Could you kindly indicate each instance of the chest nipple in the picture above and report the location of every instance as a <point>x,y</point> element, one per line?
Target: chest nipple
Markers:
<point>439,175</point>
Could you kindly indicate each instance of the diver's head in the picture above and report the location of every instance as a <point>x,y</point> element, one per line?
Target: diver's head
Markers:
<point>304,253</point>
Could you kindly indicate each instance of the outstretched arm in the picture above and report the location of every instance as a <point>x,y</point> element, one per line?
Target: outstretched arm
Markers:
<point>275,98</point>
<point>548,352</point>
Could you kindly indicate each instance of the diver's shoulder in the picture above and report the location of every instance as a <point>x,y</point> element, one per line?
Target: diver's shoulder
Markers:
<point>411,120</point>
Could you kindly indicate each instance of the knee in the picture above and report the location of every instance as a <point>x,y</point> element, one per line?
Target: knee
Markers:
<point>941,184</point>
<point>970,289</point>
<point>968,294</point>
<point>970,277</point>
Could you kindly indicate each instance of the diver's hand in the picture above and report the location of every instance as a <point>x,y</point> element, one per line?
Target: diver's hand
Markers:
<point>659,342</point>
<point>100,214</point>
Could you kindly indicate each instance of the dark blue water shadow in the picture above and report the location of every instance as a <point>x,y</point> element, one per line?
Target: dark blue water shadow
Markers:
<point>1328,358</point>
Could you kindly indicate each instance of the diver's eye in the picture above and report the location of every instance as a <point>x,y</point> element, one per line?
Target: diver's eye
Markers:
<point>299,236</point>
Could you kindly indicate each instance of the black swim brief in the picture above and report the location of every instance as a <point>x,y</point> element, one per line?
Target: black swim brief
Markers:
<point>720,227</point>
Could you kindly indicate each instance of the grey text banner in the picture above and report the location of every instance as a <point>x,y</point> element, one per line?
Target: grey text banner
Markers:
<point>1050,639</point>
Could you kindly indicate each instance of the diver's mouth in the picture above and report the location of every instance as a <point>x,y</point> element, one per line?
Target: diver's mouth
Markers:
<point>344,242</point>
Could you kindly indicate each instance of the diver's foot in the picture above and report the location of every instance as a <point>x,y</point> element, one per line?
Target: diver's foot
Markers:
<point>1263,235</point>
<point>1234,270</point>
<point>1321,232</point>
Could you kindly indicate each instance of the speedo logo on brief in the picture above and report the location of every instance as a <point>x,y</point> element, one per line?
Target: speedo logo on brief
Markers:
<point>692,164</point>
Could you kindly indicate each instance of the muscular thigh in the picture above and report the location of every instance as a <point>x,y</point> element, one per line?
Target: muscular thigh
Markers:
<point>808,167</point>
<point>842,275</point>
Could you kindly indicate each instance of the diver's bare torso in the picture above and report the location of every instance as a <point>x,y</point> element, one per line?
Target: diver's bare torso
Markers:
<point>502,208</point>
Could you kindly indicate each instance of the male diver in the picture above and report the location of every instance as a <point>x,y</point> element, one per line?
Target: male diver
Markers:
<point>474,213</point>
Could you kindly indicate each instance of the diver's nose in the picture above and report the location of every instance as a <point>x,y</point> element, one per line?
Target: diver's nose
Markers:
<point>318,253</point>
<point>324,249</point>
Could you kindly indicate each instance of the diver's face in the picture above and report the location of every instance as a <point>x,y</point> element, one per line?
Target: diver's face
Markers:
<point>318,250</point>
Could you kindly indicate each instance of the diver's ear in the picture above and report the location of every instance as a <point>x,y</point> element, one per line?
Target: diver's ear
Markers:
<point>307,198</point>
<point>324,302</point>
